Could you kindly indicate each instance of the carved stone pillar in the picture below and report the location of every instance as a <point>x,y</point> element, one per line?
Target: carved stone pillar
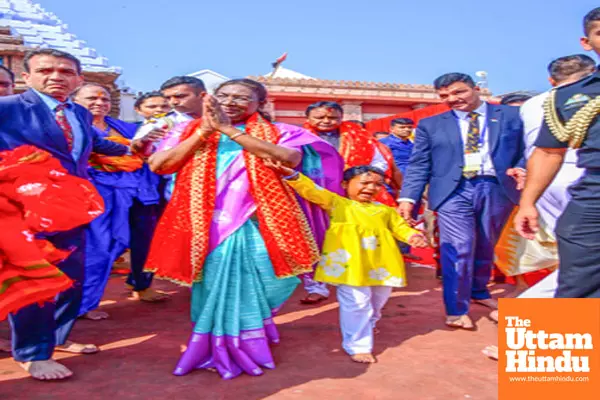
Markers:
<point>352,110</point>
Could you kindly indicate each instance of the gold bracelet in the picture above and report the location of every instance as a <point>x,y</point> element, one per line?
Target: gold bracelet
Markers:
<point>240,133</point>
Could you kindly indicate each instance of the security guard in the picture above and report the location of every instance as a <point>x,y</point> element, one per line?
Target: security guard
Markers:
<point>571,120</point>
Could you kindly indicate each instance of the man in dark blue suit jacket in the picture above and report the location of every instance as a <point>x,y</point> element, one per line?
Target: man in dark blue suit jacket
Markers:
<point>468,157</point>
<point>31,119</point>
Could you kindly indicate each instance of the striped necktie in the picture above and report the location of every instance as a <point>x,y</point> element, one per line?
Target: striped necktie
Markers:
<point>63,123</point>
<point>473,136</point>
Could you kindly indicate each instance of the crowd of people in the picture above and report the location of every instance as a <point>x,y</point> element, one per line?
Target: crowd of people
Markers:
<point>249,208</point>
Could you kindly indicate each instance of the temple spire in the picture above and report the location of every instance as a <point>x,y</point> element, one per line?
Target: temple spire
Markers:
<point>40,28</point>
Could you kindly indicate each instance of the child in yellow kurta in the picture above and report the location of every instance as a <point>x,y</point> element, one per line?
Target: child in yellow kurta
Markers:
<point>360,253</point>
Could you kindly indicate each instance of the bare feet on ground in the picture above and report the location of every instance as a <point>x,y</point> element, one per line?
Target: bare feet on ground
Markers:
<point>46,370</point>
<point>77,348</point>
<point>491,352</point>
<point>489,303</point>
<point>95,315</point>
<point>5,345</point>
<point>313,298</point>
<point>150,295</point>
<point>364,358</point>
<point>460,321</point>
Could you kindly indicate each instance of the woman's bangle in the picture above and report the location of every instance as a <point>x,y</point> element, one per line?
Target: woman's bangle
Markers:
<point>292,176</point>
<point>240,133</point>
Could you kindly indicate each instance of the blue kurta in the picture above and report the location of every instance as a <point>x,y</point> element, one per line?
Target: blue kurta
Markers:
<point>401,150</point>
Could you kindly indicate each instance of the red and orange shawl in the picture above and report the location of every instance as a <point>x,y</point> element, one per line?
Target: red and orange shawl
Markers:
<point>357,147</point>
<point>37,195</point>
<point>127,163</point>
<point>181,240</point>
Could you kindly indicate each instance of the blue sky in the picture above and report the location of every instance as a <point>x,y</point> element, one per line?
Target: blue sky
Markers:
<point>370,40</point>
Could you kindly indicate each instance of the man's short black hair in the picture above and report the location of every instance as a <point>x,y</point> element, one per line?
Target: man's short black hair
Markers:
<point>402,121</point>
<point>359,170</point>
<point>11,74</point>
<point>148,95</point>
<point>196,83</point>
<point>453,77</point>
<point>517,97</point>
<point>564,67</point>
<point>53,53</point>
<point>326,104</point>
<point>589,18</point>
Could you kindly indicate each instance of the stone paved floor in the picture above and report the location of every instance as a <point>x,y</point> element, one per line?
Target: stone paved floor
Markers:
<point>419,358</point>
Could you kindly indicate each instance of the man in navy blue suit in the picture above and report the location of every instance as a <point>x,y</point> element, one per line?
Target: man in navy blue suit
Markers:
<point>44,117</point>
<point>471,158</point>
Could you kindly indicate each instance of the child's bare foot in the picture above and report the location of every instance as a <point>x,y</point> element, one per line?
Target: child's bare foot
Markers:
<point>364,358</point>
<point>46,370</point>
<point>5,345</point>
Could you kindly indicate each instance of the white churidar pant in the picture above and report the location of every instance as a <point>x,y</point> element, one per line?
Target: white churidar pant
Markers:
<point>360,309</point>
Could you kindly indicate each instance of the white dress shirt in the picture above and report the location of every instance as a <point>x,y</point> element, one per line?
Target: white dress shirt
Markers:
<point>379,161</point>
<point>487,167</point>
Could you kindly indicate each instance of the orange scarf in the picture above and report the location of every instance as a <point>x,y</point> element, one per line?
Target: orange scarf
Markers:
<point>128,163</point>
<point>187,219</point>
<point>357,147</point>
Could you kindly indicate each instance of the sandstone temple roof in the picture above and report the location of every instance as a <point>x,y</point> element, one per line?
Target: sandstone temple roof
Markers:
<point>40,28</point>
<point>292,82</point>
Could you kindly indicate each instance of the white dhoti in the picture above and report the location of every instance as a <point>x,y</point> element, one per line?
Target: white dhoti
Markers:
<point>516,255</point>
<point>360,309</point>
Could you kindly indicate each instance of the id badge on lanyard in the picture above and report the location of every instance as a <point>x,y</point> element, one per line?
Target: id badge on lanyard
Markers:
<point>474,161</point>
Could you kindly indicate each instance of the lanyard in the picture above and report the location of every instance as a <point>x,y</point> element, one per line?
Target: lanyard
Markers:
<point>483,132</point>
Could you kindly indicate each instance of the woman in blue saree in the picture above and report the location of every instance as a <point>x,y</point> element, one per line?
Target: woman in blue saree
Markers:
<point>234,232</point>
